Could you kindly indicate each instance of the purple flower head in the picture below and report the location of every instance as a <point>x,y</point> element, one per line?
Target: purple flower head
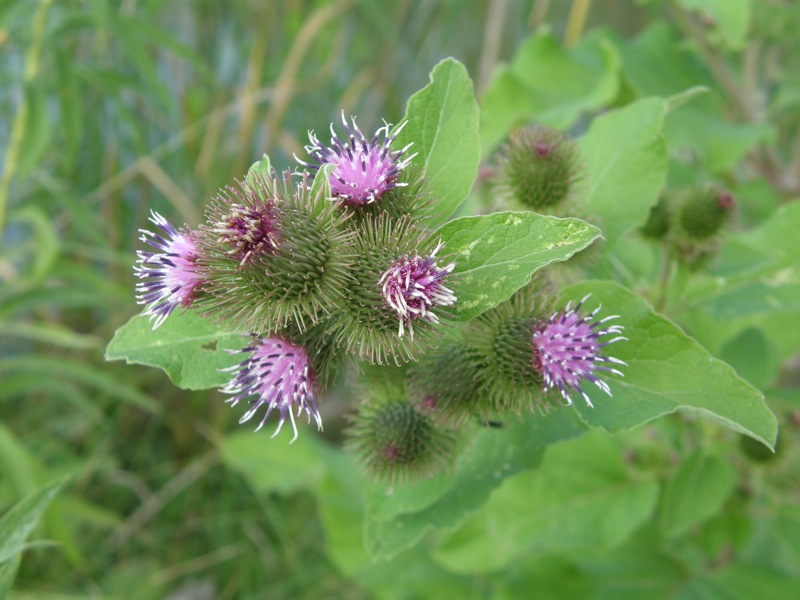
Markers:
<point>566,349</point>
<point>413,285</point>
<point>249,230</point>
<point>363,169</point>
<point>277,374</point>
<point>170,277</point>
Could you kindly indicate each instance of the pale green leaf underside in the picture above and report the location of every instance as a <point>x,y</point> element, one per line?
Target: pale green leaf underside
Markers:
<point>190,349</point>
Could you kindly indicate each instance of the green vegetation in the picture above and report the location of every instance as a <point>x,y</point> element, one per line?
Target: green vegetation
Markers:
<point>122,481</point>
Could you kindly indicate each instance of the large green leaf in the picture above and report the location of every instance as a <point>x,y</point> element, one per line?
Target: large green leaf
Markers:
<point>730,18</point>
<point>443,124</point>
<point>667,372</point>
<point>189,348</point>
<point>698,490</point>
<point>626,166</point>
<point>641,569</point>
<point>496,254</point>
<point>658,62</point>
<point>549,84</point>
<point>17,524</point>
<point>341,511</point>
<point>491,456</point>
<point>741,581</point>
<point>270,465</point>
<point>582,496</point>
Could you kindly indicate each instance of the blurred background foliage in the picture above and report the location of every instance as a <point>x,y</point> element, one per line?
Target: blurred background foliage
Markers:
<point>111,108</point>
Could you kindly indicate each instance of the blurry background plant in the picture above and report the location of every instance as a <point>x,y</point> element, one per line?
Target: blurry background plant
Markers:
<point>111,109</point>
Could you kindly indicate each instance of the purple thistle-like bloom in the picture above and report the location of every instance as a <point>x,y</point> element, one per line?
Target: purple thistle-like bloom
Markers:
<point>170,277</point>
<point>250,230</point>
<point>413,285</point>
<point>279,375</point>
<point>566,349</point>
<point>363,169</point>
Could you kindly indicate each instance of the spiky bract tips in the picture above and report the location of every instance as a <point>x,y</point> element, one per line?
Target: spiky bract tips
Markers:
<point>364,169</point>
<point>500,343</point>
<point>540,167</point>
<point>277,375</point>
<point>567,350</point>
<point>394,441</point>
<point>398,293</point>
<point>292,264</point>
<point>444,386</point>
<point>172,276</point>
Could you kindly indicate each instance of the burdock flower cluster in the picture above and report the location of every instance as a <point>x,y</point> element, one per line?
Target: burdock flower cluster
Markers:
<point>330,268</point>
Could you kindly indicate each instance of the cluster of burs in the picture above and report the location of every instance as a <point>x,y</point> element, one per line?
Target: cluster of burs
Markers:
<point>331,270</point>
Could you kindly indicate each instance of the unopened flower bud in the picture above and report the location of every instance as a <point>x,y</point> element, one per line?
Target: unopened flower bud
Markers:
<point>397,443</point>
<point>704,211</point>
<point>540,167</point>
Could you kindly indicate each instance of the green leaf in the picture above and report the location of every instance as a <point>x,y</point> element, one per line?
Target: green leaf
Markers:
<point>697,492</point>
<point>342,513</point>
<point>443,124</point>
<point>580,497</point>
<point>18,523</point>
<point>491,456</point>
<point>742,581</point>
<point>667,372</point>
<point>658,63</point>
<point>270,465</point>
<point>553,578</point>
<point>626,166</point>
<point>550,85</point>
<point>718,143</point>
<point>782,294</point>
<point>261,168</point>
<point>322,182</point>
<point>191,350</point>
<point>639,570</point>
<point>496,254</point>
<point>753,357</point>
<point>778,237</point>
<point>731,18</point>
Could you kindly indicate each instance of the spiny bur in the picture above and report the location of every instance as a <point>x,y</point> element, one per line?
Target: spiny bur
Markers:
<point>539,168</point>
<point>703,212</point>
<point>274,254</point>
<point>395,442</point>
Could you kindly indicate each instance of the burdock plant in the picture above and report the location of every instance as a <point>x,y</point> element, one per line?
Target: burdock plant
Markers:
<point>348,266</point>
<point>325,273</point>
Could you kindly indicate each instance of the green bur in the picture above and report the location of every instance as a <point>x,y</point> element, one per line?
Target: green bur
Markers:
<point>540,167</point>
<point>364,325</point>
<point>297,281</point>
<point>704,211</point>
<point>396,442</point>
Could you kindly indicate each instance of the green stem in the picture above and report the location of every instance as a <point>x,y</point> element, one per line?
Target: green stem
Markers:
<point>20,119</point>
<point>576,21</point>
<point>664,279</point>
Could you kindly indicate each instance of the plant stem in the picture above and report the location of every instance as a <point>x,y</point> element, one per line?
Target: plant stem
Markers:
<point>664,279</point>
<point>576,21</point>
<point>20,119</point>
